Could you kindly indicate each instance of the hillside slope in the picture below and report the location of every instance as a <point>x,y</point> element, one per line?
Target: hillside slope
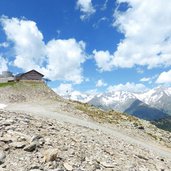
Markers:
<point>25,92</point>
<point>144,111</point>
<point>164,123</point>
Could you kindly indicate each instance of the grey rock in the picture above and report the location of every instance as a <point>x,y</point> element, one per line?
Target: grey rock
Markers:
<point>18,144</point>
<point>31,147</point>
<point>5,139</point>
<point>2,156</point>
<point>108,164</point>
<point>68,166</point>
<point>36,138</point>
<point>50,155</point>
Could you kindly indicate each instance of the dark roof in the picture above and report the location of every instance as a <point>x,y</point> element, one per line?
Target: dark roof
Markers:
<point>21,74</point>
<point>18,75</point>
<point>32,71</point>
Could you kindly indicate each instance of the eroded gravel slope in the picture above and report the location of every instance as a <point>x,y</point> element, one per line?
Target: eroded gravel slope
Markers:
<point>31,142</point>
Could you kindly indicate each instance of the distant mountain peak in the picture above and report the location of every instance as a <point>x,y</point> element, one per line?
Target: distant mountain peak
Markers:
<point>157,100</point>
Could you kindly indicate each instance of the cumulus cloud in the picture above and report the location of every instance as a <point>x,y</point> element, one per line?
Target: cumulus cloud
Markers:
<point>86,7</point>
<point>28,42</point>
<point>58,59</point>
<point>64,89</point>
<point>164,77</point>
<point>3,64</point>
<point>147,41</point>
<point>101,83</point>
<point>131,87</point>
<point>103,60</point>
<point>64,59</point>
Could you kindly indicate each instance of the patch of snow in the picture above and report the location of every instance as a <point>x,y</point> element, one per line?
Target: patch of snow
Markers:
<point>78,96</point>
<point>2,106</point>
<point>168,91</point>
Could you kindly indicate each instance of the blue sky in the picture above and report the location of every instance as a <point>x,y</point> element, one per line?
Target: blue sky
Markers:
<point>87,45</point>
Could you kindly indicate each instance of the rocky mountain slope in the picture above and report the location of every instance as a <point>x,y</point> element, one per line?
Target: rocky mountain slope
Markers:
<point>144,111</point>
<point>48,133</point>
<point>118,100</point>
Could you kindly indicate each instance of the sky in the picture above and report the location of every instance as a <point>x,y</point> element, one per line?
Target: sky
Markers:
<point>88,46</point>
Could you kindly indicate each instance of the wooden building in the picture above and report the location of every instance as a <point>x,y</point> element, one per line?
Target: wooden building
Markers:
<point>30,75</point>
<point>6,76</point>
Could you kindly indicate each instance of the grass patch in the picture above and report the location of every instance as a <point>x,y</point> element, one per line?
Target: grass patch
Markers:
<point>7,84</point>
<point>154,136</point>
<point>99,115</point>
<point>24,85</point>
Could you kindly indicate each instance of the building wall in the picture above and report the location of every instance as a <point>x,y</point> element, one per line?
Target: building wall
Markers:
<point>7,74</point>
<point>31,76</point>
<point>5,80</point>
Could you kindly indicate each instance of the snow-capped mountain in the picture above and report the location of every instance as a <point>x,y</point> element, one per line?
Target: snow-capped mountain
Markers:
<point>129,103</point>
<point>159,98</point>
<point>150,105</point>
<point>118,100</point>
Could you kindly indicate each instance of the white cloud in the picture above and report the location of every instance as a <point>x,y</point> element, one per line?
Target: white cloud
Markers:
<point>164,77</point>
<point>145,79</point>
<point>131,87</point>
<point>103,60</point>
<point>104,7</point>
<point>147,41</point>
<point>86,7</point>
<point>101,83</point>
<point>150,80</point>
<point>64,59</point>
<point>3,64</point>
<point>97,24</point>
<point>91,92</point>
<point>64,89</point>
<point>4,44</point>
<point>28,42</point>
<point>58,59</point>
<point>139,70</point>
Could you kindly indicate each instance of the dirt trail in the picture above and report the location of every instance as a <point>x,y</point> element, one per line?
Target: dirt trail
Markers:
<point>49,110</point>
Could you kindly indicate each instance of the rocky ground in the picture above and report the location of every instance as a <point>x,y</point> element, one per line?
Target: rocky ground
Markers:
<point>40,131</point>
<point>31,143</point>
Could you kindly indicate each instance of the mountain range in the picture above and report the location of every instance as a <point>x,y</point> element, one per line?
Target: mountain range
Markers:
<point>151,105</point>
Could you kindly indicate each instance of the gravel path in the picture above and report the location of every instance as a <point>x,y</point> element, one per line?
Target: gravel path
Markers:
<point>49,111</point>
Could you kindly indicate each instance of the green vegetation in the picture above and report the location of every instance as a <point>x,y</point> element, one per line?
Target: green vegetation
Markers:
<point>106,116</point>
<point>152,135</point>
<point>164,124</point>
<point>21,84</point>
<point>7,84</point>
